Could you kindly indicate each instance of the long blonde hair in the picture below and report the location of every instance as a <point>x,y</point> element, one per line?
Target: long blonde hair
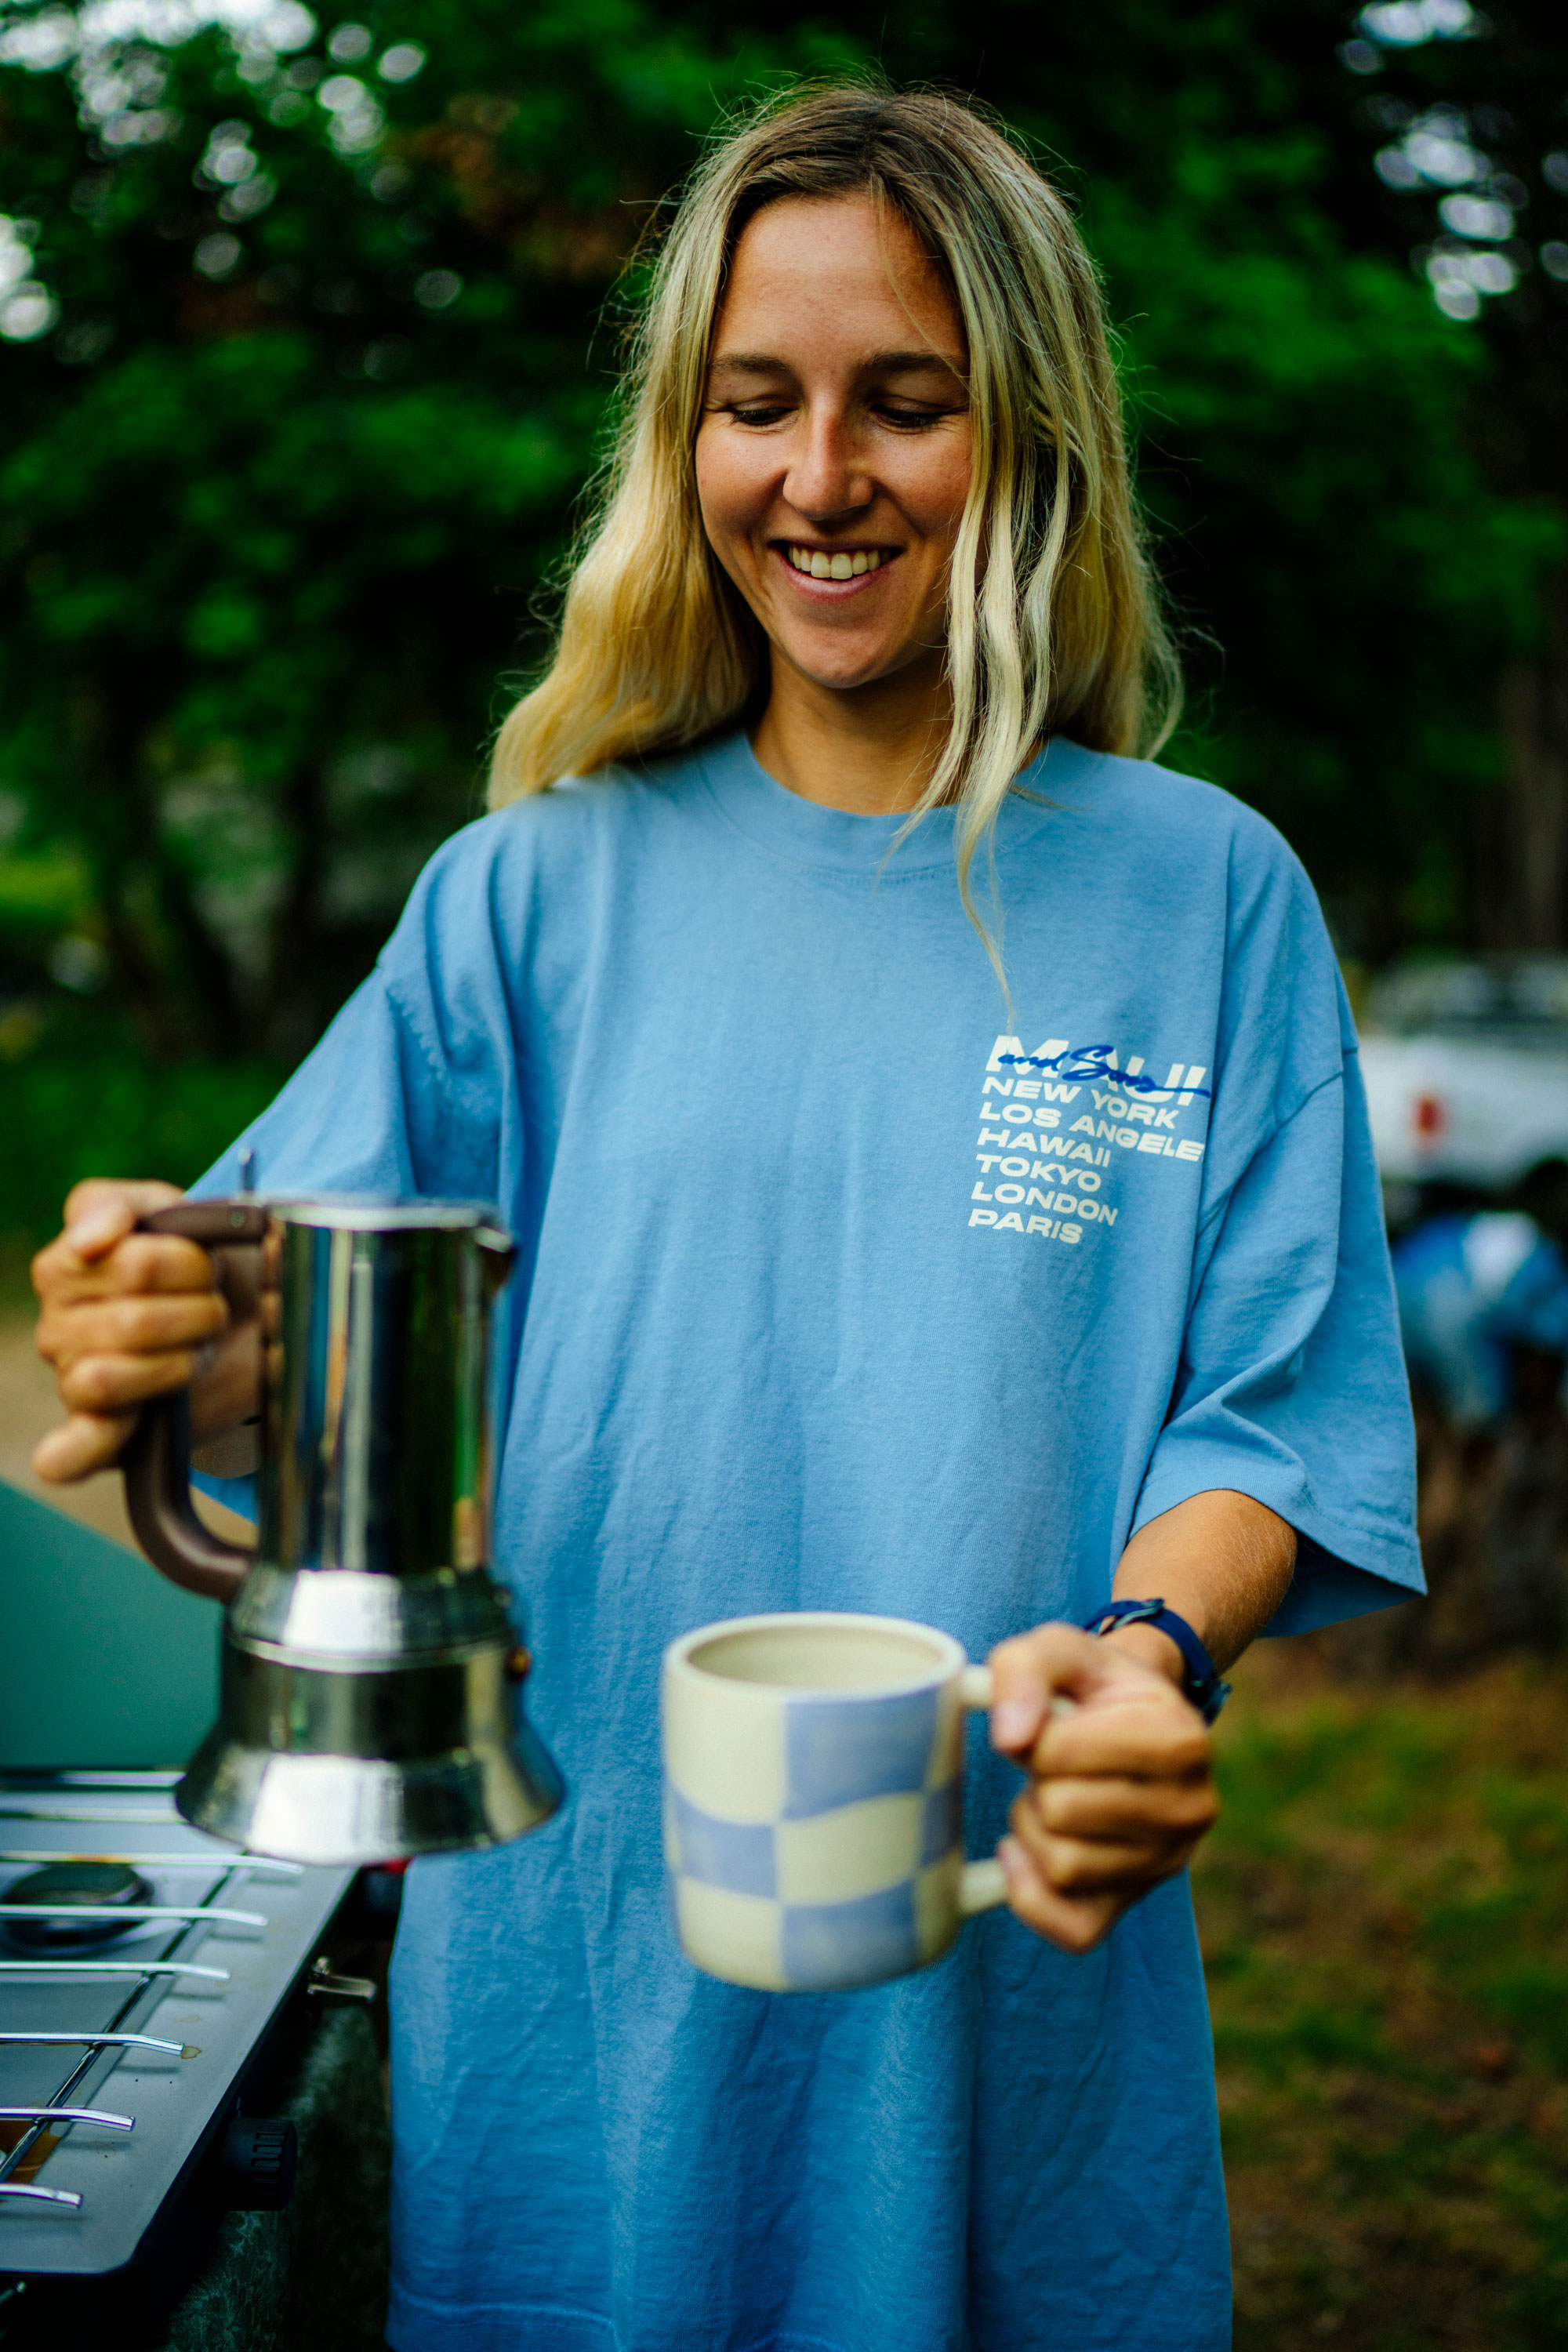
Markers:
<point>1053,617</point>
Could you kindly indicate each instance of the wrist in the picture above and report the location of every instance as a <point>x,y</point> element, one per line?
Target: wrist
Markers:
<point>1199,1680</point>
<point>1151,1648</point>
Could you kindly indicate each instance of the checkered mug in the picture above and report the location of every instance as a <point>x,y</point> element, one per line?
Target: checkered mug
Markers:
<point>813,1799</point>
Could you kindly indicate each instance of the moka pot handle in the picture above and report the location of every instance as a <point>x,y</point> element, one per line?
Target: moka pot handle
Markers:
<point>157,1457</point>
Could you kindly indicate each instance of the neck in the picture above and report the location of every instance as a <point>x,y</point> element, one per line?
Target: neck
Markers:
<point>869,749</point>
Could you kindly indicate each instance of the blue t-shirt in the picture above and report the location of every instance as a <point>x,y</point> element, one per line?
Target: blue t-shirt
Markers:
<point>843,1287</point>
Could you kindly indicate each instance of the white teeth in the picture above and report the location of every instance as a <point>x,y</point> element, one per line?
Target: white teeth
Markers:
<point>821,566</point>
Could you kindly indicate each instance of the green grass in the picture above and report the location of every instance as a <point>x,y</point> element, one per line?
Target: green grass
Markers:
<point>1384,1916</point>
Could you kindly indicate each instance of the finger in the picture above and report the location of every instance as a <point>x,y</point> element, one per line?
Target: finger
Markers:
<point>1073,1923</point>
<point>1125,1810</point>
<point>111,1200</point>
<point>145,1325</point>
<point>1068,1863</point>
<point>85,1442</point>
<point>138,1262</point>
<point>1040,1676</point>
<point>101,1211</point>
<point>1085,1866</point>
<point>1025,1675</point>
<point>1160,1737</point>
<point>113,1384</point>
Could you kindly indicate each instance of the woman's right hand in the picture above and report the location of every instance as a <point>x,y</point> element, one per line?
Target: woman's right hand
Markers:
<point>127,1316</point>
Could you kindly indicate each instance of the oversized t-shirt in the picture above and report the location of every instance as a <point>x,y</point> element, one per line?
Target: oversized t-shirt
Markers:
<point>846,1284</point>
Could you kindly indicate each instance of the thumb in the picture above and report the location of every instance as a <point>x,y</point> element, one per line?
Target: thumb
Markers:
<point>101,1212</point>
<point>1032,1676</point>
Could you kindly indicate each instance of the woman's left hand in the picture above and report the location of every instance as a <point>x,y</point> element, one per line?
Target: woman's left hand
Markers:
<point>1121,1783</point>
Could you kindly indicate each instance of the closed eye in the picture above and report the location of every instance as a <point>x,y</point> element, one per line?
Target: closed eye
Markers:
<point>761,414</point>
<point>912,420</point>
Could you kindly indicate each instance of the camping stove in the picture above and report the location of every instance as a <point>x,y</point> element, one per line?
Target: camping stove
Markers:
<point>145,1972</point>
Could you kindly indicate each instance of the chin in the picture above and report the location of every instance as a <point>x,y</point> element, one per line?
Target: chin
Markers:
<point>836,673</point>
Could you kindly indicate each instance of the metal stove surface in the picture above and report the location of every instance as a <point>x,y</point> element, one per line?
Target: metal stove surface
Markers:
<point>210,1986</point>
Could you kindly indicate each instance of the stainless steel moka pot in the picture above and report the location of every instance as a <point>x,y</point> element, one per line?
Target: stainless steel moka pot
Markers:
<point>370,1676</point>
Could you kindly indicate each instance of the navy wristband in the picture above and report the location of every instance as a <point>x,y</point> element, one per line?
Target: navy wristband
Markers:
<point>1201,1683</point>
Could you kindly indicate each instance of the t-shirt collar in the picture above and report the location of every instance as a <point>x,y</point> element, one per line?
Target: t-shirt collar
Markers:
<point>805,832</point>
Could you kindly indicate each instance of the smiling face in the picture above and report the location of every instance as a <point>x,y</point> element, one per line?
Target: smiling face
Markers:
<point>833,457</point>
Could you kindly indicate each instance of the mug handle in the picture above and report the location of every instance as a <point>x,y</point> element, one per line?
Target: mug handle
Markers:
<point>156,1462</point>
<point>983,1885</point>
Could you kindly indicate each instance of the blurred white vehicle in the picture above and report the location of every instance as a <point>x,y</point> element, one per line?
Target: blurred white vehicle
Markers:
<point>1466,1073</point>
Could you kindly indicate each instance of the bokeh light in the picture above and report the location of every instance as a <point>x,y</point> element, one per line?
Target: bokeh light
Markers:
<point>401,61</point>
<point>217,255</point>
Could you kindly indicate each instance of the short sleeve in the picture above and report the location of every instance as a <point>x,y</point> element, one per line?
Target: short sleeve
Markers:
<point>370,1110</point>
<point>401,1093</point>
<point>392,1102</point>
<point>1291,1387</point>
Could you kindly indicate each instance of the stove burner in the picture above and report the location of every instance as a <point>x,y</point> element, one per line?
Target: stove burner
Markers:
<point>78,1886</point>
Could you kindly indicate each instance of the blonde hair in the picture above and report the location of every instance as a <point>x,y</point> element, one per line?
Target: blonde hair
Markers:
<point>1053,617</point>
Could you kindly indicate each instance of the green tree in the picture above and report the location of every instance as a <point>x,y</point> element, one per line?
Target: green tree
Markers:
<point>1468,117</point>
<point>301,387</point>
<point>307,351</point>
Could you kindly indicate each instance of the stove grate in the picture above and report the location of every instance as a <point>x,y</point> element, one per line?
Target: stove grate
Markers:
<point>189,1922</point>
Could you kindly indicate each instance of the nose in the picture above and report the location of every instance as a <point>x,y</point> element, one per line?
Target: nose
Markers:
<point>827,476</point>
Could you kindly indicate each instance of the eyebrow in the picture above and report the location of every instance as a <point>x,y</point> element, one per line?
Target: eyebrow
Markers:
<point>879,363</point>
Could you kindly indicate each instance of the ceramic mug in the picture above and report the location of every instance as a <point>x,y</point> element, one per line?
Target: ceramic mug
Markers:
<point>813,1799</point>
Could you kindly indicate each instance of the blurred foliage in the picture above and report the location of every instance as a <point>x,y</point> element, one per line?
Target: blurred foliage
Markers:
<point>1471,177</point>
<point>96,1111</point>
<point>317,361</point>
<point>276,493</point>
<point>1383,1911</point>
<point>1469,147</point>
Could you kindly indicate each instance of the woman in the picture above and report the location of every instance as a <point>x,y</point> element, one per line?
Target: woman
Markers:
<point>850,1281</point>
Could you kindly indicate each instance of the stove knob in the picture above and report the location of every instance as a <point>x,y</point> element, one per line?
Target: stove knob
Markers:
<point>257,2164</point>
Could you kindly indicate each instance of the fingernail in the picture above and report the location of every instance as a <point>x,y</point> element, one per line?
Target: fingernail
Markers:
<point>1013,1721</point>
<point>1010,1858</point>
